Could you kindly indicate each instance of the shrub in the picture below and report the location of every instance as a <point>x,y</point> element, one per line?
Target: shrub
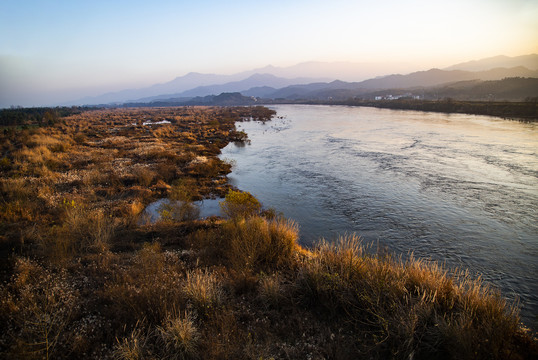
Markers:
<point>145,176</point>
<point>180,336</point>
<point>132,347</point>
<point>82,230</point>
<point>148,288</point>
<point>202,289</point>
<point>39,305</point>
<point>178,210</point>
<point>270,290</point>
<point>256,243</point>
<point>239,204</point>
<point>410,309</point>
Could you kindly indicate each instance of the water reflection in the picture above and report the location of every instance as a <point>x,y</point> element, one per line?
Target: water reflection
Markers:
<point>152,212</point>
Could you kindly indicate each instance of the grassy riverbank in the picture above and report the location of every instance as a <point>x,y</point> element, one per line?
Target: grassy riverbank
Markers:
<point>525,111</point>
<point>81,278</point>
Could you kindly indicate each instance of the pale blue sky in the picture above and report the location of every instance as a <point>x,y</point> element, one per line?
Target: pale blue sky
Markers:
<point>53,51</point>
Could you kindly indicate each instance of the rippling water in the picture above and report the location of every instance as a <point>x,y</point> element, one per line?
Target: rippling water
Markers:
<point>459,189</point>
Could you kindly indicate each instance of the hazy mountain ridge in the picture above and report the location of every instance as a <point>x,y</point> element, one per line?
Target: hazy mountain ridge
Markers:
<point>255,80</point>
<point>501,61</point>
<point>421,79</point>
<point>266,82</point>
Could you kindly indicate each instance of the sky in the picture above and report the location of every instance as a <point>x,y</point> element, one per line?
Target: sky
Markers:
<point>53,51</point>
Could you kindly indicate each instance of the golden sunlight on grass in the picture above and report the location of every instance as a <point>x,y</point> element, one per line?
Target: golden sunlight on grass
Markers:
<point>84,277</point>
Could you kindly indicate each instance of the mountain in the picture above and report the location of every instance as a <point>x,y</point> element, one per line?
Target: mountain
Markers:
<point>508,89</point>
<point>343,70</point>
<point>315,79</point>
<point>223,99</point>
<point>436,77</point>
<point>255,80</point>
<point>528,61</point>
<point>179,84</point>
<point>259,91</point>
<point>419,79</point>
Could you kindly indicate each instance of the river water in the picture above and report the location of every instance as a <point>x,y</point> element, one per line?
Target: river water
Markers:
<point>458,189</point>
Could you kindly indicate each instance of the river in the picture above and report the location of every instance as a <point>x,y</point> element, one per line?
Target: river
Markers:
<point>458,189</point>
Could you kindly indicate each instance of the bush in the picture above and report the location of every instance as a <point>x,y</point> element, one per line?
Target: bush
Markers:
<point>83,230</point>
<point>180,336</point>
<point>256,243</point>
<point>37,306</point>
<point>202,289</point>
<point>239,204</point>
<point>178,210</point>
<point>132,347</point>
<point>149,288</point>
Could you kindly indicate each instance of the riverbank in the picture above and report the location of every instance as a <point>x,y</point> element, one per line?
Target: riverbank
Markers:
<point>523,111</point>
<point>83,279</point>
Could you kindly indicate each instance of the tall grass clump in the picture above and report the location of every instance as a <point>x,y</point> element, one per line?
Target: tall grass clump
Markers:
<point>133,346</point>
<point>203,290</point>
<point>83,230</point>
<point>178,210</point>
<point>256,243</point>
<point>181,337</point>
<point>406,309</point>
<point>149,287</point>
<point>239,204</point>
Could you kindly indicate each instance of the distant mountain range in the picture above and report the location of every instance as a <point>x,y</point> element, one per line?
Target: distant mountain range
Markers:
<point>317,80</point>
<point>415,83</point>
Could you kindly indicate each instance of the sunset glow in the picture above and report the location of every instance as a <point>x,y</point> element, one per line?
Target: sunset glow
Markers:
<point>60,50</point>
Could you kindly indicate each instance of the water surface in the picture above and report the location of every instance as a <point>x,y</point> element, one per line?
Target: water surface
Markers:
<point>459,189</point>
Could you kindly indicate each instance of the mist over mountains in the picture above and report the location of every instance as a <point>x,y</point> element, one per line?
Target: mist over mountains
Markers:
<point>323,81</point>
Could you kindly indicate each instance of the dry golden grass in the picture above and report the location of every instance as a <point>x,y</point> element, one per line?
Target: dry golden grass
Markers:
<point>181,336</point>
<point>71,198</point>
<point>132,347</point>
<point>257,243</point>
<point>37,306</point>
<point>202,289</point>
<point>413,308</point>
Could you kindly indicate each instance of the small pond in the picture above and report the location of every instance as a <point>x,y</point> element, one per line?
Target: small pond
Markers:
<point>207,208</point>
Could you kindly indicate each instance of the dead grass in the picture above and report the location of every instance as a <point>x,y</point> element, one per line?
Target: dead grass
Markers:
<point>101,285</point>
<point>181,336</point>
<point>203,291</point>
<point>37,306</point>
<point>256,243</point>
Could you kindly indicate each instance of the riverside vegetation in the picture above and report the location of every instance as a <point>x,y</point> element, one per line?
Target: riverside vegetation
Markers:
<point>83,277</point>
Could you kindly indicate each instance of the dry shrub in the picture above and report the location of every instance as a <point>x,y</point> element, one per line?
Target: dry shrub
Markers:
<point>239,204</point>
<point>86,229</point>
<point>256,243</point>
<point>148,288</point>
<point>38,155</point>
<point>82,230</point>
<point>410,309</point>
<point>178,211</point>
<point>19,201</point>
<point>94,176</point>
<point>133,346</point>
<point>180,336</point>
<point>55,143</point>
<point>16,189</point>
<point>37,306</point>
<point>130,213</point>
<point>270,290</point>
<point>151,151</point>
<point>202,289</point>
<point>144,176</point>
<point>163,131</point>
<point>166,172</point>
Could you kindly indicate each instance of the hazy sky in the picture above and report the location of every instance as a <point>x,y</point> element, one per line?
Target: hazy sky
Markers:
<point>52,50</point>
